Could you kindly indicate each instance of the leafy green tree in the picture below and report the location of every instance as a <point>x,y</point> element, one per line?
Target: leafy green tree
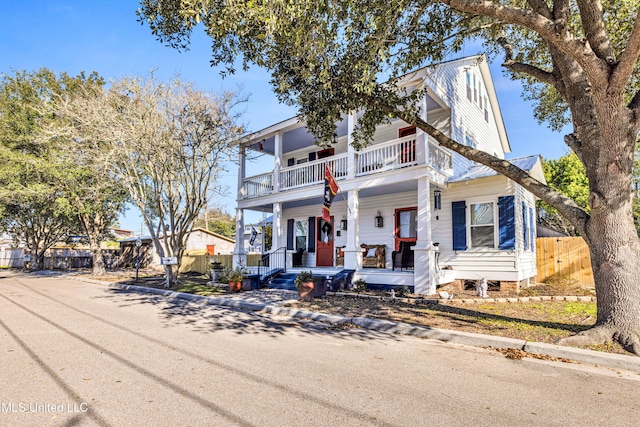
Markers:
<point>567,175</point>
<point>31,197</point>
<point>578,59</point>
<point>53,186</point>
<point>218,221</point>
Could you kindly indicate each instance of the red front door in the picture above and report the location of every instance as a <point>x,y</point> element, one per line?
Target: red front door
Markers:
<point>406,226</point>
<point>324,243</point>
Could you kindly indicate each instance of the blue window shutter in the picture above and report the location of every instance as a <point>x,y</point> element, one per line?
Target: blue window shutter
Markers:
<point>458,219</point>
<point>311,246</point>
<point>532,230</point>
<point>524,226</point>
<point>506,223</point>
<point>290,224</point>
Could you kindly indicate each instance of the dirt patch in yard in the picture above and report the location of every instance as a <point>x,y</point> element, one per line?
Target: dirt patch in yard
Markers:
<point>544,321</point>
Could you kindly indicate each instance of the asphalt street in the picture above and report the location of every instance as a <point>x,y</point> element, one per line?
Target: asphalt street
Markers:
<point>73,353</point>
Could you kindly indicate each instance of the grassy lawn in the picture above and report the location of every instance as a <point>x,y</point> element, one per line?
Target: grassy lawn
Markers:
<point>531,321</point>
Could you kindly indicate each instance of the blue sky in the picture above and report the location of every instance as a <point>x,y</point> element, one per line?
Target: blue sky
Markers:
<point>104,36</point>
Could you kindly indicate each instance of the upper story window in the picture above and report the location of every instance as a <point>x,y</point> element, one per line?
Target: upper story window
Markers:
<point>470,142</point>
<point>476,93</point>
<point>486,110</point>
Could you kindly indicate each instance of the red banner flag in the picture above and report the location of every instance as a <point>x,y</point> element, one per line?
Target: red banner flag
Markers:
<point>330,191</point>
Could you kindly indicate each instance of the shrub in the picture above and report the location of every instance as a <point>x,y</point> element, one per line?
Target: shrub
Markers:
<point>401,291</point>
<point>359,285</point>
<point>223,275</point>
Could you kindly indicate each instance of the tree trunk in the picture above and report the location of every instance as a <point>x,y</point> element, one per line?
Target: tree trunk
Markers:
<point>615,258</point>
<point>98,261</point>
<point>171,273</point>
<point>613,241</point>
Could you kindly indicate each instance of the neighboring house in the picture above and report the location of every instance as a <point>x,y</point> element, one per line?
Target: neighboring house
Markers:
<point>199,240</point>
<point>253,235</point>
<point>424,214</point>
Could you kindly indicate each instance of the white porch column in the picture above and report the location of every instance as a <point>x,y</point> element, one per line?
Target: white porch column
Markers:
<point>277,161</point>
<point>276,235</point>
<point>239,254</point>
<point>352,118</point>
<point>425,279</point>
<point>422,147</point>
<point>241,172</point>
<point>353,251</point>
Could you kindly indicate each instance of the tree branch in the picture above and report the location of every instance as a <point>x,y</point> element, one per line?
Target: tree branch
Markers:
<point>518,67</point>
<point>628,59</point>
<point>592,17</point>
<point>540,7</point>
<point>552,32</point>
<point>635,103</point>
<point>574,143</point>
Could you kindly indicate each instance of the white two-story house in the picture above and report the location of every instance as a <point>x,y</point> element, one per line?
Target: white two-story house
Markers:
<point>407,211</point>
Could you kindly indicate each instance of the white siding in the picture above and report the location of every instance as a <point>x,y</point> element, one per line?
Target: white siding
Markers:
<point>369,234</point>
<point>494,264</point>
<point>527,262</point>
<point>466,116</point>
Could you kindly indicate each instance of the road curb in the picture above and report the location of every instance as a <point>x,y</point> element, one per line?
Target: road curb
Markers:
<point>598,358</point>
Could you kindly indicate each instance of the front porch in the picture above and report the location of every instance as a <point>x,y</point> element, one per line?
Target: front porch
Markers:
<point>378,278</point>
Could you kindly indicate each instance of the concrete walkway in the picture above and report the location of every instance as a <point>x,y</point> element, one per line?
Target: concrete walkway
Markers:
<point>272,301</point>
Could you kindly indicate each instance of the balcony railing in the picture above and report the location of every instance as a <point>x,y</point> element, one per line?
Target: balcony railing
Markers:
<point>440,158</point>
<point>387,156</point>
<point>259,185</point>
<point>313,172</point>
<point>377,158</point>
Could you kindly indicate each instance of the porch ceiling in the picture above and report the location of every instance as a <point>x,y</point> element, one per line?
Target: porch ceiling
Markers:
<point>377,191</point>
<point>300,137</point>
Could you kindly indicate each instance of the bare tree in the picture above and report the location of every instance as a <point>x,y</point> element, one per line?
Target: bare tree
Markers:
<point>168,144</point>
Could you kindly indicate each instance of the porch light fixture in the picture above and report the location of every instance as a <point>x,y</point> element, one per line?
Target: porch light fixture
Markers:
<point>343,223</point>
<point>335,138</point>
<point>378,221</point>
<point>437,200</point>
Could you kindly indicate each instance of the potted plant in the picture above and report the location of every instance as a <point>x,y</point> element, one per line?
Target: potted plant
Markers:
<point>305,285</point>
<point>235,280</point>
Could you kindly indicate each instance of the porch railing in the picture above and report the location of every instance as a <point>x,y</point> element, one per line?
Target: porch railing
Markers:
<point>271,264</point>
<point>389,155</point>
<point>439,158</point>
<point>377,158</point>
<point>258,185</point>
<point>313,172</point>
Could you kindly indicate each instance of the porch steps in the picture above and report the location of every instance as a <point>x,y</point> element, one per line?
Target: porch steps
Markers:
<point>284,281</point>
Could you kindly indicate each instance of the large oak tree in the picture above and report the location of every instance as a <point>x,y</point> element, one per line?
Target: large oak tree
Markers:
<point>578,59</point>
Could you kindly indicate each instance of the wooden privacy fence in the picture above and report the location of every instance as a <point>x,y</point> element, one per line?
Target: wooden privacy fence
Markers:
<point>564,256</point>
<point>199,262</point>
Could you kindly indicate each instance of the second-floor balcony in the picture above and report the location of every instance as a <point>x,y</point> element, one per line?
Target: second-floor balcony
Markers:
<point>375,159</point>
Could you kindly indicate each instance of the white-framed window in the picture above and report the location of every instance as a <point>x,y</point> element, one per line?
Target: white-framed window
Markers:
<point>486,110</point>
<point>475,89</point>
<point>482,220</point>
<point>468,78</point>
<point>302,231</point>
<point>469,141</point>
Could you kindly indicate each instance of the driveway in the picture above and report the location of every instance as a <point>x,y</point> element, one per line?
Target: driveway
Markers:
<point>74,353</point>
